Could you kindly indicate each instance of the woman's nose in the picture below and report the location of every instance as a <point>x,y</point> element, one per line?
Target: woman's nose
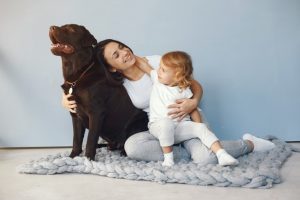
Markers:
<point>124,52</point>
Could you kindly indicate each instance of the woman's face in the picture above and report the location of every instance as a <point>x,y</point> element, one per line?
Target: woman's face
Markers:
<point>118,56</point>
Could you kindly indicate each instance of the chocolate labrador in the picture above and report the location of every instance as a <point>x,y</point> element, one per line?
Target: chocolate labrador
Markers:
<point>104,109</point>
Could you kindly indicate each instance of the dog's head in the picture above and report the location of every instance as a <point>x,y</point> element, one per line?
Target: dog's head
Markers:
<point>70,38</point>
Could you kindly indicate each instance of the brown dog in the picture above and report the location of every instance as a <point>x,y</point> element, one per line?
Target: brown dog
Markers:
<point>105,110</point>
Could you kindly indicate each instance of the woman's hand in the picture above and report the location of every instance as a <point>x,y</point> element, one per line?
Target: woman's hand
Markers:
<point>68,104</point>
<point>182,108</point>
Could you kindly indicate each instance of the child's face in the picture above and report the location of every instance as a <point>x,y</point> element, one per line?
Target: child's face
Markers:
<point>166,75</point>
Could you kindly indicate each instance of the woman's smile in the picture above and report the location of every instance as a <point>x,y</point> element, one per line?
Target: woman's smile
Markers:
<point>129,58</point>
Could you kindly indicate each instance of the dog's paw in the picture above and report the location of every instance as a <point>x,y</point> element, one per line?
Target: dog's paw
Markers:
<point>90,156</point>
<point>75,153</point>
<point>123,153</point>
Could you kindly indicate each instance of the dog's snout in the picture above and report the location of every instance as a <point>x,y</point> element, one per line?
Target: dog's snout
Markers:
<point>53,28</point>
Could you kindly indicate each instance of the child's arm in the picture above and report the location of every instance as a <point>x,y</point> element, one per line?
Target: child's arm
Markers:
<point>196,116</point>
<point>143,64</point>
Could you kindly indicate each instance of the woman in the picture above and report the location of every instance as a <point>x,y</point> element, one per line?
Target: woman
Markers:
<point>121,67</point>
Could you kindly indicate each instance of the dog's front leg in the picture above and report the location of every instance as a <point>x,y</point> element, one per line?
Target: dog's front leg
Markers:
<point>78,135</point>
<point>95,125</point>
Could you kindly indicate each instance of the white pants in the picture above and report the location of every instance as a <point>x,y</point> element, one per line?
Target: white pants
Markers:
<point>169,132</point>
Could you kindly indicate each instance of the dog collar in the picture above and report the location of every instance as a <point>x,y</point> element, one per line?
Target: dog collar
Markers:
<point>73,84</point>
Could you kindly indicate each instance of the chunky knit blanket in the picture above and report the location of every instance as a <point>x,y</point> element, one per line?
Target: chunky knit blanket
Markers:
<point>255,170</point>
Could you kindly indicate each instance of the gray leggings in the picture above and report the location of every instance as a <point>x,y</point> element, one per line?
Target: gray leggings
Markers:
<point>144,146</point>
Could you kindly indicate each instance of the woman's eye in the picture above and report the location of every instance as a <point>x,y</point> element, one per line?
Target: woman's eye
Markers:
<point>115,55</point>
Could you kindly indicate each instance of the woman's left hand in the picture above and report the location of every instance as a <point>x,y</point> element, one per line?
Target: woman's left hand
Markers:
<point>182,108</point>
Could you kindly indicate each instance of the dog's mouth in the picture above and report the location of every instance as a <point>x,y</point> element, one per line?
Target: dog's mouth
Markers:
<point>60,49</point>
<point>52,34</point>
<point>57,47</point>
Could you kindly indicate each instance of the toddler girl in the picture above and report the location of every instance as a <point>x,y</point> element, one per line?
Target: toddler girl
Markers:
<point>170,83</point>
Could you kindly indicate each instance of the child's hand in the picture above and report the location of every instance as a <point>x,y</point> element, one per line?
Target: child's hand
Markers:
<point>141,61</point>
<point>143,64</point>
<point>142,58</point>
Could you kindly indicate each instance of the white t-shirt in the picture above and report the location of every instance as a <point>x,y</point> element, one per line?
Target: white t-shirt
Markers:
<point>139,91</point>
<point>162,96</point>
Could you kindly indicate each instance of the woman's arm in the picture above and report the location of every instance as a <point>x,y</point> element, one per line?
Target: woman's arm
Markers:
<point>143,64</point>
<point>68,104</point>
<point>196,116</point>
<point>183,107</point>
<point>197,91</point>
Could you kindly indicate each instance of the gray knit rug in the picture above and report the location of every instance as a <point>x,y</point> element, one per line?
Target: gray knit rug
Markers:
<point>256,170</point>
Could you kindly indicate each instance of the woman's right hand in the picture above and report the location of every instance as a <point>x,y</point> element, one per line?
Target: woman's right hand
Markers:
<point>68,104</point>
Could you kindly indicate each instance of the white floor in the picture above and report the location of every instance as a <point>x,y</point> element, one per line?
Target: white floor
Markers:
<point>14,186</point>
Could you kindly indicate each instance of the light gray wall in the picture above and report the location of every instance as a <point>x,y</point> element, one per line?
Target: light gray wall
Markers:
<point>245,54</point>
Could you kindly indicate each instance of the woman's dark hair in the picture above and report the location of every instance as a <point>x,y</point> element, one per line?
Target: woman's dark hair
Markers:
<point>114,78</point>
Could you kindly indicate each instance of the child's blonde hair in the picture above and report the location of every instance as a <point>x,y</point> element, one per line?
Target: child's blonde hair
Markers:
<point>182,63</point>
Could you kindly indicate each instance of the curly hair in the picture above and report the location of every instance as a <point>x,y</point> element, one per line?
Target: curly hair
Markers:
<point>182,63</point>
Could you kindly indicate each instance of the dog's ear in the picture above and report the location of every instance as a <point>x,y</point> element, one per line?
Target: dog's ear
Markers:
<point>88,39</point>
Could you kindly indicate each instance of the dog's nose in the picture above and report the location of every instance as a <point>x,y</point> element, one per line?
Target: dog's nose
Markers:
<point>53,28</point>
